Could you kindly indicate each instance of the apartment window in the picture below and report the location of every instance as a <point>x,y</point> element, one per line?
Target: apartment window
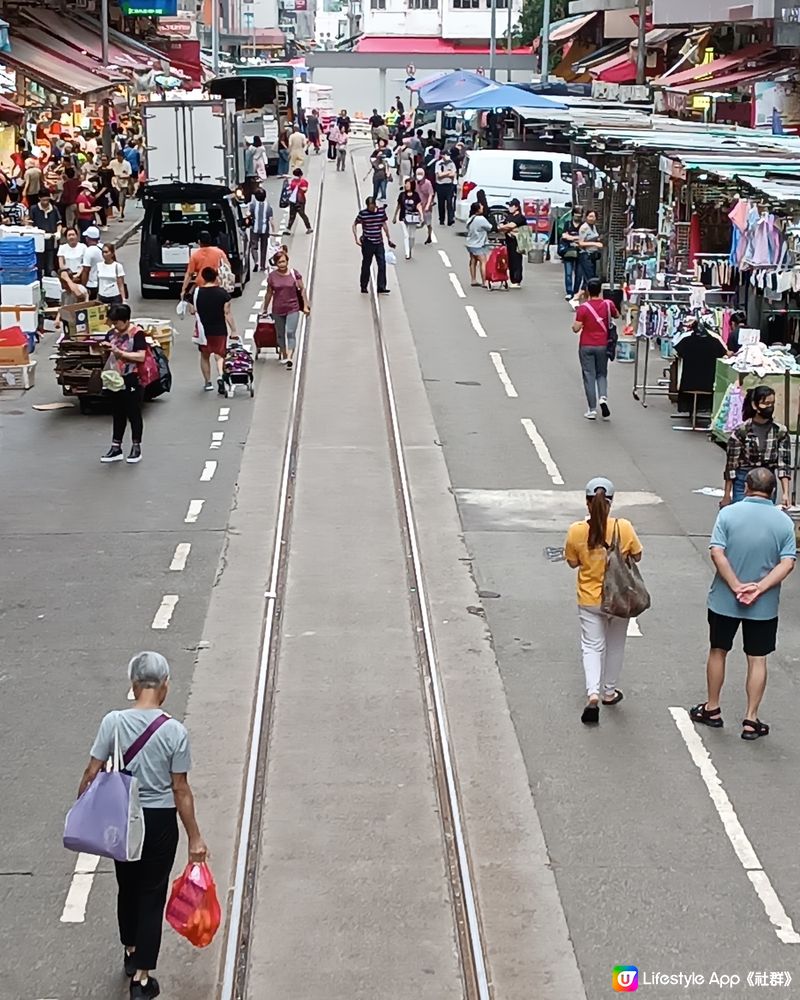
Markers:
<point>499,5</point>
<point>423,4</point>
<point>377,4</point>
<point>466,4</point>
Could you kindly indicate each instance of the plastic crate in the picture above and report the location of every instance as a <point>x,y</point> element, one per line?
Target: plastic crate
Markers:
<point>17,376</point>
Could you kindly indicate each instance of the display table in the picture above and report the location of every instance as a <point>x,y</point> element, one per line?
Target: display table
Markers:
<point>785,386</point>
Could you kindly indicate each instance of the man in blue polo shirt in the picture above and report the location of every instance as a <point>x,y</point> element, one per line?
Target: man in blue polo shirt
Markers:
<point>374,224</point>
<point>753,550</point>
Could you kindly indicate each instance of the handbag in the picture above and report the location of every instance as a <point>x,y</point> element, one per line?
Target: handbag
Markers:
<point>624,592</point>
<point>107,819</point>
<point>198,334</point>
<point>284,198</point>
<point>567,250</point>
<point>301,300</point>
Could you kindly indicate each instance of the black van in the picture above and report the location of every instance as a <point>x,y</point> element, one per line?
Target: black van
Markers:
<point>174,217</point>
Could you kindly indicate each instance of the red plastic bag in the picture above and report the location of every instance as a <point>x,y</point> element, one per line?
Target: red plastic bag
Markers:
<point>147,370</point>
<point>193,908</point>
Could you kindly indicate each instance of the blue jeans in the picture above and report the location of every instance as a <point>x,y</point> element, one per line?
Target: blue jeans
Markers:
<point>570,271</point>
<point>379,189</point>
<point>586,270</point>
<point>739,484</point>
<point>283,162</point>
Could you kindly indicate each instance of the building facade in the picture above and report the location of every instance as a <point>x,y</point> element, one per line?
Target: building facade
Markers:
<point>466,21</point>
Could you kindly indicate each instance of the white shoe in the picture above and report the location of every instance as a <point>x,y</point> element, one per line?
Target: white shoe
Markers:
<point>591,414</point>
<point>604,408</point>
<point>512,285</point>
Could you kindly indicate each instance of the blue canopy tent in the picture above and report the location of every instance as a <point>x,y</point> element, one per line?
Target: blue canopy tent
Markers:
<point>506,96</point>
<point>445,90</point>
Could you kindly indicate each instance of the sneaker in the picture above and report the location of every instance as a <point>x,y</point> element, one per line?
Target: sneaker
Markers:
<point>130,964</point>
<point>568,298</point>
<point>591,414</point>
<point>283,360</point>
<point>384,291</point>
<point>512,285</point>
<point>365,291</point>
<point>286,232</point>
<point>429,240</point>
<point>309,232</point>
<point>208,387</point>
<point>604,408</point>
<point>220,387</point>
<point>147,991</point>
<point>114,454</point>
<point>255,268</point>
<point>135,455</point>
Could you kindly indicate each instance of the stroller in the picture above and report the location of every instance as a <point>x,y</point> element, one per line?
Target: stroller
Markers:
<point>497,267</point>
<point>237,368</point>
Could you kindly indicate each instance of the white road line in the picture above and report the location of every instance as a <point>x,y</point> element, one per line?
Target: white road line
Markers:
<point>208,472</point>
<point>457,285</point>
<point>253,318</point>
<point>733,828</point>
<point>472,313</point>
<point>500,368</point>
<point>538,443</point>
<point>224,413</point>
<point>192,514</point>
<point>433,238</point>
<point>249,333</point>
<point>216,439</point>
<point>178,563</point>
<point>445,258</point>
<point>265,282</point>
<point>164,614</point>
<point>633,628</point>
<point>74,911</point>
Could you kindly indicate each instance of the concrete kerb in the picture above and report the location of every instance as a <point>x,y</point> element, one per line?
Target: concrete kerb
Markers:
<point>525,931</point>
<point>127,233</point>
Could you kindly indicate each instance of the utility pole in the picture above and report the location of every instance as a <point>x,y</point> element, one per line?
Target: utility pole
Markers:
<point>493,41</point>
<point>508,47</point>
<point>641,54</point>
<point>215,27</point>
<point>544,48</point>
<point>104,52</point>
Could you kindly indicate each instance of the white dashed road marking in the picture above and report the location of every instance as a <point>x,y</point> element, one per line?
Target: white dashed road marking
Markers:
<point>249,333</point>
<point>633,628</point>
<point>500,368</point>
<point>445,258</point>
<point>457,285</point>
<point>433,238</point>
<point>164,614</point>
<point>224,413</point>
<point>192,514</point>
<point>182,550</point>
<point>216,439</point>
<point>733,828</point>
<point>476,323</point>
<point>542,450</point>
<point>208,472</point>
<point>74,911</point>
<point>253,318</point>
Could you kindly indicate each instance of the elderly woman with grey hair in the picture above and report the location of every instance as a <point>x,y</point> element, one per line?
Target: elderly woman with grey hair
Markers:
<point>161,763</point>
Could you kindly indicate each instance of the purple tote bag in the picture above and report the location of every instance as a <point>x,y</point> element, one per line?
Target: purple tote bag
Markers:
<point>107,819</point>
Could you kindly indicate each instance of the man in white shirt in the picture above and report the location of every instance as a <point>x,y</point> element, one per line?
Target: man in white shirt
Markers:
<point>122,182</point>
<point>92,256</point>
<point>446,188</point>
<point>261,225</point>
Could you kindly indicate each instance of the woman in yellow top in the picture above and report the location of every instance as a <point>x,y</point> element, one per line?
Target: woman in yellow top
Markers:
<point>602,635</point>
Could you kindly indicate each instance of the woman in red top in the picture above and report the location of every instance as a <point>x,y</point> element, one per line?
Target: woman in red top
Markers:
<point>298,187</point>
<point>288,297</point>
<point>593,323</point>
<point>87,209</point>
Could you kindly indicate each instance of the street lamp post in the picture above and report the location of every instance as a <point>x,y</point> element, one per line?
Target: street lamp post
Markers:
<point>545,46</point>
<point>641,55</point>
<point>215,26</point>
<point>508,43</point>
<point>493,41</point>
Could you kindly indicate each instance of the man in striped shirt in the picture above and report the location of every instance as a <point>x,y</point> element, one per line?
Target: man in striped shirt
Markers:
<point>374,224</point>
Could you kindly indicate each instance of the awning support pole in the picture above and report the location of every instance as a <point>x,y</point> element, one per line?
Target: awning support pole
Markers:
<point>544,48</point>
<point>641,54</point>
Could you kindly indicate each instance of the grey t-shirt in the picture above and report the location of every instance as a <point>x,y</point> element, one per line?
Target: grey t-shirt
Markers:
<point>478,229</point>
<point>166,752</point>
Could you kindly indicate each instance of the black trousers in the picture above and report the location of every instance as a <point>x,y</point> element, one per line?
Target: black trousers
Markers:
<point>331,150</point>
<point>514,263</point>
<point>446,198</point>
<point>126,408</point>
<point>294,211</point>
<point>142,887</point>
<point>368,252</point>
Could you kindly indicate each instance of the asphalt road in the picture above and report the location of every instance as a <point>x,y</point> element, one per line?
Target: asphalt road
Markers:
<point>646,873</point>
<point>86,551</point>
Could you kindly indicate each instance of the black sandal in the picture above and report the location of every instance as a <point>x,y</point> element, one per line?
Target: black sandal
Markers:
<point>756,731</point>
<point>618,696</point>
<point>591,714</point>
<point>699,713</point>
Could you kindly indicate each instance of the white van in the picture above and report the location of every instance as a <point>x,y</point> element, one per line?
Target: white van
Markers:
<point>514,173</point>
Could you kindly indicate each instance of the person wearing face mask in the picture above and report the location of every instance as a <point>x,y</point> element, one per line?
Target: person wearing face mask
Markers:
<point>425,192</point>
<point>759,442</point>
<point>446,188</point>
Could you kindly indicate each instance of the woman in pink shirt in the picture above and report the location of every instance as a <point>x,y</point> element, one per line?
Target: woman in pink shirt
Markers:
<point>425,192</point>
<point>288,297</point>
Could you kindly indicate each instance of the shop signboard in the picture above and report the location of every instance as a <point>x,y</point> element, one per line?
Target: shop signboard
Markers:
<point>537,212</point>
<point>786,25</point>
<point>177,27</point>
<point>150,8</point>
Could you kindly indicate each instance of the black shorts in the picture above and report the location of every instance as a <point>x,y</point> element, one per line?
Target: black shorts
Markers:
<point>759,635</point>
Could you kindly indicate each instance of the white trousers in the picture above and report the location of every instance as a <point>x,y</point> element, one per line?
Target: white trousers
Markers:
<point>603,648</point>
<point>409,237</point>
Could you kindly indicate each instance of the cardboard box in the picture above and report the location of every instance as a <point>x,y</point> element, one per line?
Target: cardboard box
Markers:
<point>84,319</point>
<point>17,376</point>
<point>17,355</point>
<point>21,295</point>
<point>52,288</point>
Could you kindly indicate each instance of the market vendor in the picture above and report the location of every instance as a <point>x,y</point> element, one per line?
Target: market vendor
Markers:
<point>737,321</point>
<point>759,442</point>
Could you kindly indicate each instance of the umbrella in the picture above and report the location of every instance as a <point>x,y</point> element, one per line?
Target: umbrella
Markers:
<point>506,96</point>
<point>455,86</point>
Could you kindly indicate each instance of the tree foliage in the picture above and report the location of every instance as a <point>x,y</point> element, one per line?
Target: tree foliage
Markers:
<point>529,25</point>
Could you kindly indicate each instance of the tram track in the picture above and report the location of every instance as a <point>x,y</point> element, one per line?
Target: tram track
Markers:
<point>465,911</point>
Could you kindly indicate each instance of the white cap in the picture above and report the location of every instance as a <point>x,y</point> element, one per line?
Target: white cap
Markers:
<point>600,483</point>
<point>92,233</point>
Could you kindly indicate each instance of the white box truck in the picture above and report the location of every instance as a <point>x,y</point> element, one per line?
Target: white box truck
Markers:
<point>190,142</point>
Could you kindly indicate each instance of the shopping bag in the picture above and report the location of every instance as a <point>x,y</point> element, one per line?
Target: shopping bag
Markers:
<point>284,199</point>
<point>163,381</point>
<point>147,370</point>
<point>391,257</point>
<point>108,819</point>
<point>624,592</point>
<point>193,909</point>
